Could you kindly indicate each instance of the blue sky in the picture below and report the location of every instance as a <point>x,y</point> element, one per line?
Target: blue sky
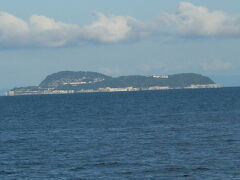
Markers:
<point>124,37</point>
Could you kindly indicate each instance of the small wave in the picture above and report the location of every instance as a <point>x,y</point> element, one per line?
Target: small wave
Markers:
<point>110,164</point>
<point>6,172</point>
<point>201,169</point>
<point>77,169</point>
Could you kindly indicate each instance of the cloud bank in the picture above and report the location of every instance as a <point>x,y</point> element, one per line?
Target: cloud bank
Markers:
<point>188,21</point>
<point>46,32</point>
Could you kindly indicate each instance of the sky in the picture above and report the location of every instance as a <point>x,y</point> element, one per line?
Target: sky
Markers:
<point>116,38</point>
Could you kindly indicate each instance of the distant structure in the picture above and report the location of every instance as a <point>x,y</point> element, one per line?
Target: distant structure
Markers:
<point>161,76</point>
<point>9,93</point>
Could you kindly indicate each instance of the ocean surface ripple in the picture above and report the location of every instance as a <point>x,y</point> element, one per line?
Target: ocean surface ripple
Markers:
<point>173,134</point>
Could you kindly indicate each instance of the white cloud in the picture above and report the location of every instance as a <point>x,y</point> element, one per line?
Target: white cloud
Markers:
<point>191,20</point>
<point>110,28</point>
<point>188,21</point>
<point>12,30</point>
<point>48,32</point>
<point>44,31</point>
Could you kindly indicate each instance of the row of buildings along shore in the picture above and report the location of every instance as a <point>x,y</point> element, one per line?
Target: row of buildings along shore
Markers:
<point>106,89</point>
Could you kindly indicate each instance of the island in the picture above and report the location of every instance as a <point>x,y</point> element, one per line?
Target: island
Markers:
<point>69,82</point>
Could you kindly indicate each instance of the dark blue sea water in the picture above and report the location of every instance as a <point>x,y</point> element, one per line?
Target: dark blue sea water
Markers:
<point>162,135</point>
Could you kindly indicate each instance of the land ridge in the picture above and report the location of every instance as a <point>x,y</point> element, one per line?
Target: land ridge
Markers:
<point>66,82</point>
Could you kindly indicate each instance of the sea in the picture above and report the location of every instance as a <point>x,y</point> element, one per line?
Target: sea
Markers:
<point>163,135</point>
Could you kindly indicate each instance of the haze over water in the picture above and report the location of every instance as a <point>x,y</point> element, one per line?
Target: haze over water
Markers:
<point>174,134</point>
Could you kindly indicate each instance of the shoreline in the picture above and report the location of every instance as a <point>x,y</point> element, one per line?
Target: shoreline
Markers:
<point>108,90</point>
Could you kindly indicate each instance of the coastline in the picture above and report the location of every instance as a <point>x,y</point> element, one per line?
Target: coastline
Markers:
<point>108,89</point>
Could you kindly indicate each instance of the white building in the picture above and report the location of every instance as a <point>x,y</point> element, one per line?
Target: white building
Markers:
<point>161,76</point>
